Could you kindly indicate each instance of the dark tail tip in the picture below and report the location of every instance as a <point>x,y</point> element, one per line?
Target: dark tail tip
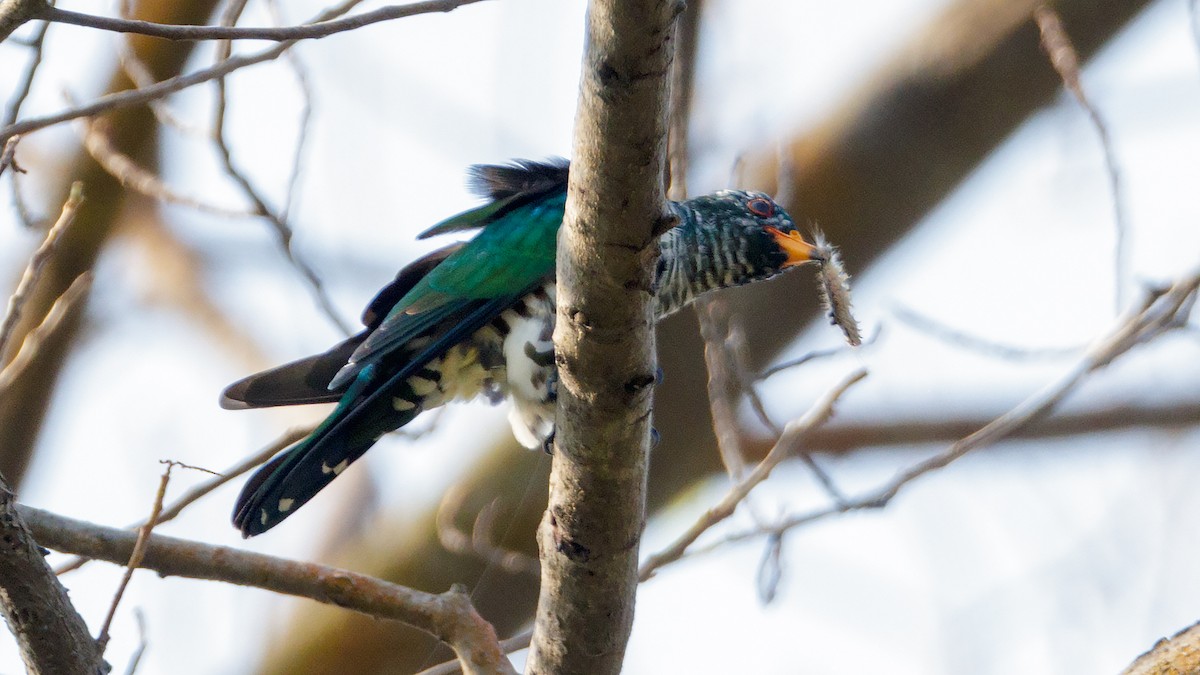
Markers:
<point>249,501</point>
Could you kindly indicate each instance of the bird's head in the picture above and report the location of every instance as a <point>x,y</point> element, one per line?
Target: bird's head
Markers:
<point>772,243</point>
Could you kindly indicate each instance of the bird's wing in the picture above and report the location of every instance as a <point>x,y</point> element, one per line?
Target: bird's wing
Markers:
<point>509,187</point>
<point>307,380</point>
<point>405,280</point>
<point>510,257</point>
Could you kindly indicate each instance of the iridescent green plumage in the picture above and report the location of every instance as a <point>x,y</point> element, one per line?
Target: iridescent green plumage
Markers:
<point>512,255</point>
<point>478,317</point>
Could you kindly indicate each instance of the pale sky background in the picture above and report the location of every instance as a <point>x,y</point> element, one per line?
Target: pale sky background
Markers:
<point>1064,556</point>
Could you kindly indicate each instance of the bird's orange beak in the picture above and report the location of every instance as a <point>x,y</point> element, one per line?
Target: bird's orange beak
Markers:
<point>798,251</point>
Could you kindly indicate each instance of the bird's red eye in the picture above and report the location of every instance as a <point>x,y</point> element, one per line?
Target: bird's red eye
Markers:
<point>763,208</point>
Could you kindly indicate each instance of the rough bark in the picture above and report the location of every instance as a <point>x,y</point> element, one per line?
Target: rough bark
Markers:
<point>1174,656</point>
<point>51,635</point>
<point>604,341</point>
<point>13,13</point>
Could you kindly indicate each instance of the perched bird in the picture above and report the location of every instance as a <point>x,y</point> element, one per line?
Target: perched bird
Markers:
<point>477,318</point>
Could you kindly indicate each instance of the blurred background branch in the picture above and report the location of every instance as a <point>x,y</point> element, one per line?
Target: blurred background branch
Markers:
<point>23,408</point>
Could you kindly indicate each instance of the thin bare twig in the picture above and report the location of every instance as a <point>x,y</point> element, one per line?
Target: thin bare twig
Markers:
<point>770,569</point>
<point>25,86</point>
<point>479,541</point>
<point>452,667</point>
<point>23,89</point>
<point>122,167</point>
<point>683,77</point>
<point>793,435</point>
<point>1062,55</point>
<point>482,542</point>
<point>191,496</point>
<point>513,644</point>
<point>283,230</point>
<point>736,344</point>
<point>1162,311</point>
<point>144,95</point>
<point>712,316</point>
<point>259,458</point>
<point>308,31</point>
<point>167,87</point>
<point>448,616</point>
<point>228,19</point>
<point>291,193</point>
<point>740,351</point>
<point>284,235</point>
<point>727,358</point>
<point>25,215</point>
<point>143,643</point>
<point>976,343</point>
<point>306,93</point>
<point>37,261</point>
<point>8,155</point>
<point>135,558</point>
<point>140,75</point>
<point>34,339</point>
<point>815,354</point>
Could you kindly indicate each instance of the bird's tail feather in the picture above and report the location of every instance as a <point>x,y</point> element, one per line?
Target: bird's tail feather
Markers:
<point>289,480</point>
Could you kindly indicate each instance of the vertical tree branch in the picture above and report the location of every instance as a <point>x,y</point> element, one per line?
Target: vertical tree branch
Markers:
<point>604,341</point>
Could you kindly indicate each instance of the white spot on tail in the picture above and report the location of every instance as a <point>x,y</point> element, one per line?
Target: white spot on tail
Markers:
<point>285,505</point>
<point>402,404</point>
<point>336,469</point>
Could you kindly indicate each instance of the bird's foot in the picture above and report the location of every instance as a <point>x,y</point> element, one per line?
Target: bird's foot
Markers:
<point>541,357</point>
